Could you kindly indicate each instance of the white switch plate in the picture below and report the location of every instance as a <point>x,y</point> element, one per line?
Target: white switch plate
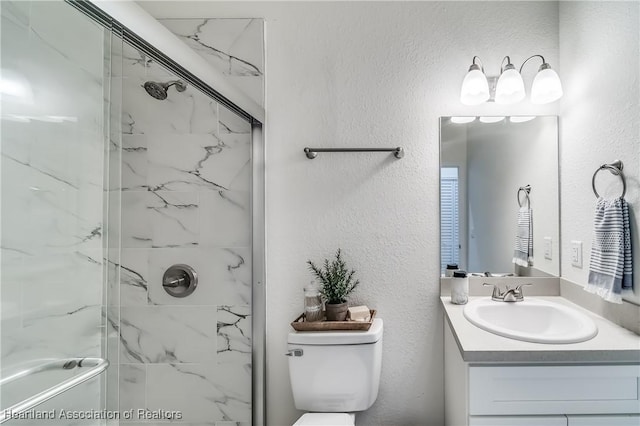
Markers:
<point>576,253</point>
<point>547,248</point>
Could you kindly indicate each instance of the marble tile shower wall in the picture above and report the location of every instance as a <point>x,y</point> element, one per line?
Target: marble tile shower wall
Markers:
<point>232,46</point>
<point>52,198</point>
<point>186,191</point>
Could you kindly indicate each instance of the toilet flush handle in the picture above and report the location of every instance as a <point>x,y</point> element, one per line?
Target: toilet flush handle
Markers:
<point>294,352</point>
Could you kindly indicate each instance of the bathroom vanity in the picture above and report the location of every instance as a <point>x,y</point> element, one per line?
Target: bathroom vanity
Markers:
<point>492,380</point>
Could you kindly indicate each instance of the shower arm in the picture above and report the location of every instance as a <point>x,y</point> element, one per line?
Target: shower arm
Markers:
<point>180,85</point>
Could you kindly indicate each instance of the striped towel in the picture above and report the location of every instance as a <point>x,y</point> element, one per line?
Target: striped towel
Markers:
<point>610,266</point>
<point>523,253</point>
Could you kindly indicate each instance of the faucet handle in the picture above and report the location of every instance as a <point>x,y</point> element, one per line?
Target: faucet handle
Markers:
<point>496,294</point>
<point>518,288</point>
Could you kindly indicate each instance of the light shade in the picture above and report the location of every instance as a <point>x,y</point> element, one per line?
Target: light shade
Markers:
<point>475,88</point>
<point>510,87</point>
<point>462,120</point>
<point>521,118</point>
<point>546,86</point>
<point>490,119</point>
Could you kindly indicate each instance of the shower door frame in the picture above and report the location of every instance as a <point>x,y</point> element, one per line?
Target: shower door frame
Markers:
<point>258,239</point>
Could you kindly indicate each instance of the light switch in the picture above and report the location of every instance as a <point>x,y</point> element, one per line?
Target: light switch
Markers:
<point>547,248</point>
<point>576,253</point>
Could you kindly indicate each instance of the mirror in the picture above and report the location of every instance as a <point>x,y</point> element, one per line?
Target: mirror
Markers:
<point>484,163</point>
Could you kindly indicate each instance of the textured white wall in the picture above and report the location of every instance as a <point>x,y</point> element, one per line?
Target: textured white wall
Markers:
<point>371,74</point>
<point>599,54</point>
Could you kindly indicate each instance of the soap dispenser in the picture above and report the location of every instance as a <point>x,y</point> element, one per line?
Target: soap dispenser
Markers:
<point>459,288</point>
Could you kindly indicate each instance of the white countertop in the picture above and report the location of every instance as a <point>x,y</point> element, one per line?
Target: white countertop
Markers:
<point>611,344</point>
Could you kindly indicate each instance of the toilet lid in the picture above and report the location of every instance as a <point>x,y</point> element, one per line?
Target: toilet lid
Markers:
<point>326,419</point>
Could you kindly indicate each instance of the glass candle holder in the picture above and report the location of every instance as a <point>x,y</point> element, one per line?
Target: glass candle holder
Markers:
<point>312,304</point>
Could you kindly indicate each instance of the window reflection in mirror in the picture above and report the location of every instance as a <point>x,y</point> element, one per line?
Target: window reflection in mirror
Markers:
<point>482,167</point>
<point>449,217</point>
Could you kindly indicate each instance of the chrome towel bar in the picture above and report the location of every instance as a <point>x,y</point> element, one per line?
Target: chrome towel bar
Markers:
<point>312,153</point>
<point>94,367</point>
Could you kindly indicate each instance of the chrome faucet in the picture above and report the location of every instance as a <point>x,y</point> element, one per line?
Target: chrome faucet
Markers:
<point>509,295</point>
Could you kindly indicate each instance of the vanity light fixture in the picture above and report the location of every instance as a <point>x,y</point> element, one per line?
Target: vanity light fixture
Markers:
<point>490,119</point>
<point>475,87</point>
<point>546,87</point>
<point>462,120</point>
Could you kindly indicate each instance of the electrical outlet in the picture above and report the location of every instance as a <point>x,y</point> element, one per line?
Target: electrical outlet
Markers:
<point>576,253</point>
<point>547,248</point>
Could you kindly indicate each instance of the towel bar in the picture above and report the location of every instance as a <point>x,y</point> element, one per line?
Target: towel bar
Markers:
<point>312,153</point>
<point>616,169</point>
<point>94,367</point>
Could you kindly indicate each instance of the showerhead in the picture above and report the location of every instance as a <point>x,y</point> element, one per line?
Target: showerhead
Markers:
<point>159,90</point>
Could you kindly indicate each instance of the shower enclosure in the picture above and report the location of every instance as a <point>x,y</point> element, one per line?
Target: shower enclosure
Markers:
<point>118,164</point>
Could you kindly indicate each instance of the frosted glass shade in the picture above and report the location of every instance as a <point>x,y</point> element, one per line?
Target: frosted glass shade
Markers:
<point>491,119</point>
<point>546,87</point>
<point>462,120</point>
<point>475,88</point>
<point>510,87</point>
<point>521,118</point>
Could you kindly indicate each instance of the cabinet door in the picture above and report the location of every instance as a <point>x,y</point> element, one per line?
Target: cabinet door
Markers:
<point>518,421</point>
<point>554,390</point>
<point>619,420</point>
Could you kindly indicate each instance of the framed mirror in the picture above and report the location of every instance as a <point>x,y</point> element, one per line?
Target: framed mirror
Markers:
<point>499,195</point>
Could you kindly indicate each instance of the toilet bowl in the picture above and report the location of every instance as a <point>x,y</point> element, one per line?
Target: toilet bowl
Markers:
<point>335,373</point>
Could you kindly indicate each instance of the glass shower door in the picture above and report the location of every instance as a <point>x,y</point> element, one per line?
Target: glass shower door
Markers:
<point>53,128</point>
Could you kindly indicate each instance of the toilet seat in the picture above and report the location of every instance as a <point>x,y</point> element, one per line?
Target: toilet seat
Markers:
<point>326,419</point>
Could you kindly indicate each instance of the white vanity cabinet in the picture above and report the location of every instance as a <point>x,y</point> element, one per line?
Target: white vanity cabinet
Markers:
<point>588,420</point>
<point>621,420</point>
<point>538,394</point>
<point>517,421</point>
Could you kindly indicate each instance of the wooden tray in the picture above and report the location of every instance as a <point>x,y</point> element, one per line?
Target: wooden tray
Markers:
<point>299,324</point>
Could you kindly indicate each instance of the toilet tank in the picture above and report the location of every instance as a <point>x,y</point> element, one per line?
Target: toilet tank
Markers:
<point>336,371</point>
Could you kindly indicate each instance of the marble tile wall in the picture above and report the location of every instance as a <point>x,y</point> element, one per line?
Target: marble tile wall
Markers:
<point>235,47</point>
<point>185,196</point>
<point>52,154</point>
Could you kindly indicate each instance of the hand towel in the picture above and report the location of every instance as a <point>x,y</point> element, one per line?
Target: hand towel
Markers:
<point>523,253</point>
<point>610,265</point>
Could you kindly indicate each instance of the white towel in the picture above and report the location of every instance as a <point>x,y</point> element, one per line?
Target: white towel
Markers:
<point>523,253</point>
<point>610,266</point>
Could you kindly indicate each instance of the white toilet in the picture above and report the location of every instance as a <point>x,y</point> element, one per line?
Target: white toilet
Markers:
<point>334,373</point>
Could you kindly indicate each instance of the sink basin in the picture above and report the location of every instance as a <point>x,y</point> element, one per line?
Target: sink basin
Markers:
<point>532,320</point>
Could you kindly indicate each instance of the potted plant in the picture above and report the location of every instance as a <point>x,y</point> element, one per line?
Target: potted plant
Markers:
<point>336,283</point>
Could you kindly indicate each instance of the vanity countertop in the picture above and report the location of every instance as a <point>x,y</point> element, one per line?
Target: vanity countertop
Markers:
<point>612,343</point>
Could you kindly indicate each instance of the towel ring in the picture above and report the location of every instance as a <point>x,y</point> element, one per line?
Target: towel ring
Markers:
<point>527,190</point>
<point>616,169</point>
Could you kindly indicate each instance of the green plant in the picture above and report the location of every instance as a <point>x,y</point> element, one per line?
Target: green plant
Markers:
<point>336,281</point>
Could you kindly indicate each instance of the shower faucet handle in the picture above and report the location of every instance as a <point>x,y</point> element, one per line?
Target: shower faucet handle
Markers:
<point>175,282</point>
<point>180,280</point>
